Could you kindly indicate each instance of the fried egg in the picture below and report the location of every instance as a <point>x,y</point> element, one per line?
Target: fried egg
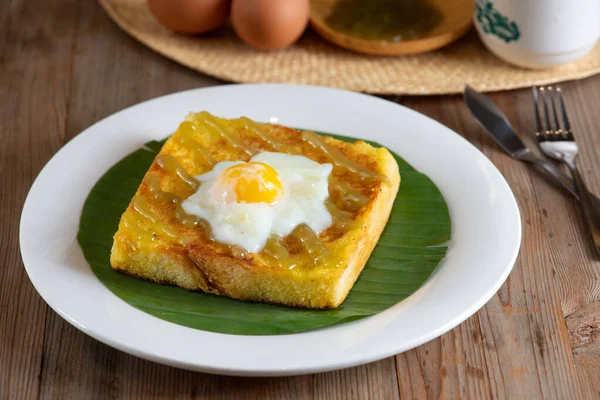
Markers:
<point>271,194</point>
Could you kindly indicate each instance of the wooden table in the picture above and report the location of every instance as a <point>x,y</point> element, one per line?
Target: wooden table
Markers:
<point>64,65</point>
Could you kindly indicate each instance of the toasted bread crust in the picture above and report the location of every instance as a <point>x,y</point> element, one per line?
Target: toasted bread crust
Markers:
<point>209,267</point>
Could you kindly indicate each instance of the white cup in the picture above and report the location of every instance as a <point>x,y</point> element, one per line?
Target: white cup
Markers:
<point>538,33</point>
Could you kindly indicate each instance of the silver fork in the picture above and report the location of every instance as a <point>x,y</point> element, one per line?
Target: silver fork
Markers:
<point>556,141</point>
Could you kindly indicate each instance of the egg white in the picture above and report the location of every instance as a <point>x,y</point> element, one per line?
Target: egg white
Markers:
<point>249,225</point>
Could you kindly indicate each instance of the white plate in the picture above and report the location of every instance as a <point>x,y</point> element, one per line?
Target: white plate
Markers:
<point>486,233</point>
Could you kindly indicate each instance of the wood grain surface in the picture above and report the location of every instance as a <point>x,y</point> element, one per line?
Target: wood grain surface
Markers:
<point>64,66</point>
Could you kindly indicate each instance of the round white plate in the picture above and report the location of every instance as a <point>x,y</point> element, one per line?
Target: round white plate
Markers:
<point>486,233</point>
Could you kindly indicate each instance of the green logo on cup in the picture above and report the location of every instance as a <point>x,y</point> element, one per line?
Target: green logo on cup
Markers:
<point>494,23</point>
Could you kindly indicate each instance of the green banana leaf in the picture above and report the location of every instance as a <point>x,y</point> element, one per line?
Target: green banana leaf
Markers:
<point>410,248</point>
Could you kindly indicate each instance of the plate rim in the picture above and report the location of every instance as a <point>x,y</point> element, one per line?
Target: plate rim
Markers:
<point>280,372</point>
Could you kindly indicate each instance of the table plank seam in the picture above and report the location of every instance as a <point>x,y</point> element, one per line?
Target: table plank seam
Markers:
<point>43,355</point>
<point>535,180</point>
<point>69,92</point>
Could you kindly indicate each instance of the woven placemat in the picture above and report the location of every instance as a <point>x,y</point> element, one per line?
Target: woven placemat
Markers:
<point>313,61</point>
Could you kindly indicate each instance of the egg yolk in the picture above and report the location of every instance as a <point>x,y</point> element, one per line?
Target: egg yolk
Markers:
<point>253,182</point>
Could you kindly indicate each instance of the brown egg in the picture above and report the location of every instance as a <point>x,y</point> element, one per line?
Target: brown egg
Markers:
<point>269,24</point>
<point>190,16</point>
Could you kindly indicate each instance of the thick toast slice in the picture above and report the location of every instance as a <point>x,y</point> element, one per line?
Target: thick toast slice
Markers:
<point>152,242</point>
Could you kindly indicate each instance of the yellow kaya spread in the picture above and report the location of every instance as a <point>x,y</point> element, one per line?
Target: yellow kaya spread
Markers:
<point>158,241</point>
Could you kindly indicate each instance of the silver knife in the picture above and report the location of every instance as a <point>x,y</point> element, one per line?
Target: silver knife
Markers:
<point>488,115</point>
